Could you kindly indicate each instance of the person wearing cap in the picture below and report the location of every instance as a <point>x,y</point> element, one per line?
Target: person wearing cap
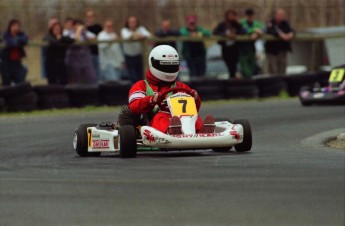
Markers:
<point>146,96</point>
<point>194,52</point>
<point>276,51</point>
<point>229,28</point>
<point>254,28</point>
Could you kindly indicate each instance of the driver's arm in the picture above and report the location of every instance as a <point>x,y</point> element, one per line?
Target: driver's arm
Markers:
<point>139,103</point>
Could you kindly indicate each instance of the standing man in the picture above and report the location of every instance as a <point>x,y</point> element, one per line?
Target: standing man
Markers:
<point>230,28</point>
<point>254,28</point>
<point>276,51</point>
<point>167,31</point>
<point>133,51</point>
<point>194,52</point>
<point>94,28</point>
<point>110,54</point>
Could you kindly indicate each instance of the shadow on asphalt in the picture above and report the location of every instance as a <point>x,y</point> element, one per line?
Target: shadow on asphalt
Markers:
<point>182,154</point>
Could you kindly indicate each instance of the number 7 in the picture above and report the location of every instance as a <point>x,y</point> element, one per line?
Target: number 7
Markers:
<point>184,105</point>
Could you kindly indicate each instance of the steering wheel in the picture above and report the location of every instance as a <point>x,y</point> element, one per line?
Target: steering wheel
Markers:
<point>173,90</point>
<point>176,89</point>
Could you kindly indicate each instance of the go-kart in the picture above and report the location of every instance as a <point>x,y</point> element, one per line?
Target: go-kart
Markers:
<point>332,94</point>
<point>131,133</point>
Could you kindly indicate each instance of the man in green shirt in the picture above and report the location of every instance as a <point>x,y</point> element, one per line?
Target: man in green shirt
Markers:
<point>254,28</point>
<point>194,52</point>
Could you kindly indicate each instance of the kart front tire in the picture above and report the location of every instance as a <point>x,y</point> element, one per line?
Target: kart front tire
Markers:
<point>128,141</point>
<point>246,144</point>
<point>81,141</point>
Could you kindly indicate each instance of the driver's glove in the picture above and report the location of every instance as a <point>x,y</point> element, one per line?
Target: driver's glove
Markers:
<point>156,99</point>
<point>194,94</point>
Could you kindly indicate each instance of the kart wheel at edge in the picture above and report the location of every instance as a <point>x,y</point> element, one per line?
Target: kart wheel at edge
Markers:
<point>223,149</point>
<point>128,141</point>
<point>80,141</point>
<point>246,145</point>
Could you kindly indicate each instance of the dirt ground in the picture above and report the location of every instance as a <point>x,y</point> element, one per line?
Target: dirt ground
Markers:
<point>335,143</point>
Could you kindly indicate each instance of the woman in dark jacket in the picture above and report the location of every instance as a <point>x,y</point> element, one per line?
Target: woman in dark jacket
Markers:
<point>11,56</point>
<point>55,55</point>
<point>230,27</point>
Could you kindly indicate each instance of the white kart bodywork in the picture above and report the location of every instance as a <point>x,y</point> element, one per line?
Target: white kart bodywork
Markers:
<point>226,135</point>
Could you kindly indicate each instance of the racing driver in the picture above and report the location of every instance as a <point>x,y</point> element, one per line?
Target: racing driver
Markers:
<point>145,96</point>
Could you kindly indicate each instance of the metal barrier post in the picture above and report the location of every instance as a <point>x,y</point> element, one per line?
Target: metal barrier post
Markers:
<point>145,44</point>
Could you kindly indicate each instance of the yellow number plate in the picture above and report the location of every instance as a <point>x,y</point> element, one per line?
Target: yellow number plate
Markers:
<point>337,75</point>
<point>180,106</point>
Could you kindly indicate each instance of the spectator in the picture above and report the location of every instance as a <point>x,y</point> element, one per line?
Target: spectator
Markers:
<point>68,26</point>
<point>167,31</point>
<point>94,28</point>
<point>276,51</point>
<point>247,49</point>
<point>13,53</point>
<point>55,55</point>
<point>110,54</point>
<point>51,21</point>
<point>194,52</point>
<point>133,50</point>
<point>230,27</point>
<point>78,57</point>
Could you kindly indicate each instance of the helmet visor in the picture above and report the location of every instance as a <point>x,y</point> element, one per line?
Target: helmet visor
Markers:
<point>167,66</point>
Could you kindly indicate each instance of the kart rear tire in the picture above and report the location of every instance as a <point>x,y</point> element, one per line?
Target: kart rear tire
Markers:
<point>128,141</point>
<point>81,145</point>
<point>246,144</point>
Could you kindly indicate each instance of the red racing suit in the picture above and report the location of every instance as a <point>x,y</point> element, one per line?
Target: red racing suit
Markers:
<point>139,101</point>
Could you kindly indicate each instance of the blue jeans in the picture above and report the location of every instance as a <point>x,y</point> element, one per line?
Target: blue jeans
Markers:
<point>134,67</point>
<point>197,66</point>
<point>12,71</point>
<point>95,63</point>
<point>110,73</point>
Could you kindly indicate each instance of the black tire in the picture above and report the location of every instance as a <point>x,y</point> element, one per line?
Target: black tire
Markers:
<point>16,90</point>
<point>246,145</point>
<point>49,101</point>
<point>250,91</point>
<point>240,88</point>
<point>302,100</point>
<point>81,144</point>
<point>128,141</point>
<point>25,102</point>
<point>83,95</point>
<point>2,104</point>
<point>208,88</point>
<point>50,89</point>
<point>270,85</point>
<point>295,82</point>
<point>114,92</point>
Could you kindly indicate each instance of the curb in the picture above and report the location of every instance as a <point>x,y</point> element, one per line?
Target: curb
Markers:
<point>318,141</point>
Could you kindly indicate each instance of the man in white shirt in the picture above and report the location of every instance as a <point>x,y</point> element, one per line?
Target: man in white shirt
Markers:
<point>133,50</point>
<point>110,54</point>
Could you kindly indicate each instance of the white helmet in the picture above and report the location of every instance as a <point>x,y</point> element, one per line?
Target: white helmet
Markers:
<point>164,63</point>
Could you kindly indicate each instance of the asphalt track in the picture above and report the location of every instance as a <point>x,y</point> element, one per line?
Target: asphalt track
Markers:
<point>282,181</point>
